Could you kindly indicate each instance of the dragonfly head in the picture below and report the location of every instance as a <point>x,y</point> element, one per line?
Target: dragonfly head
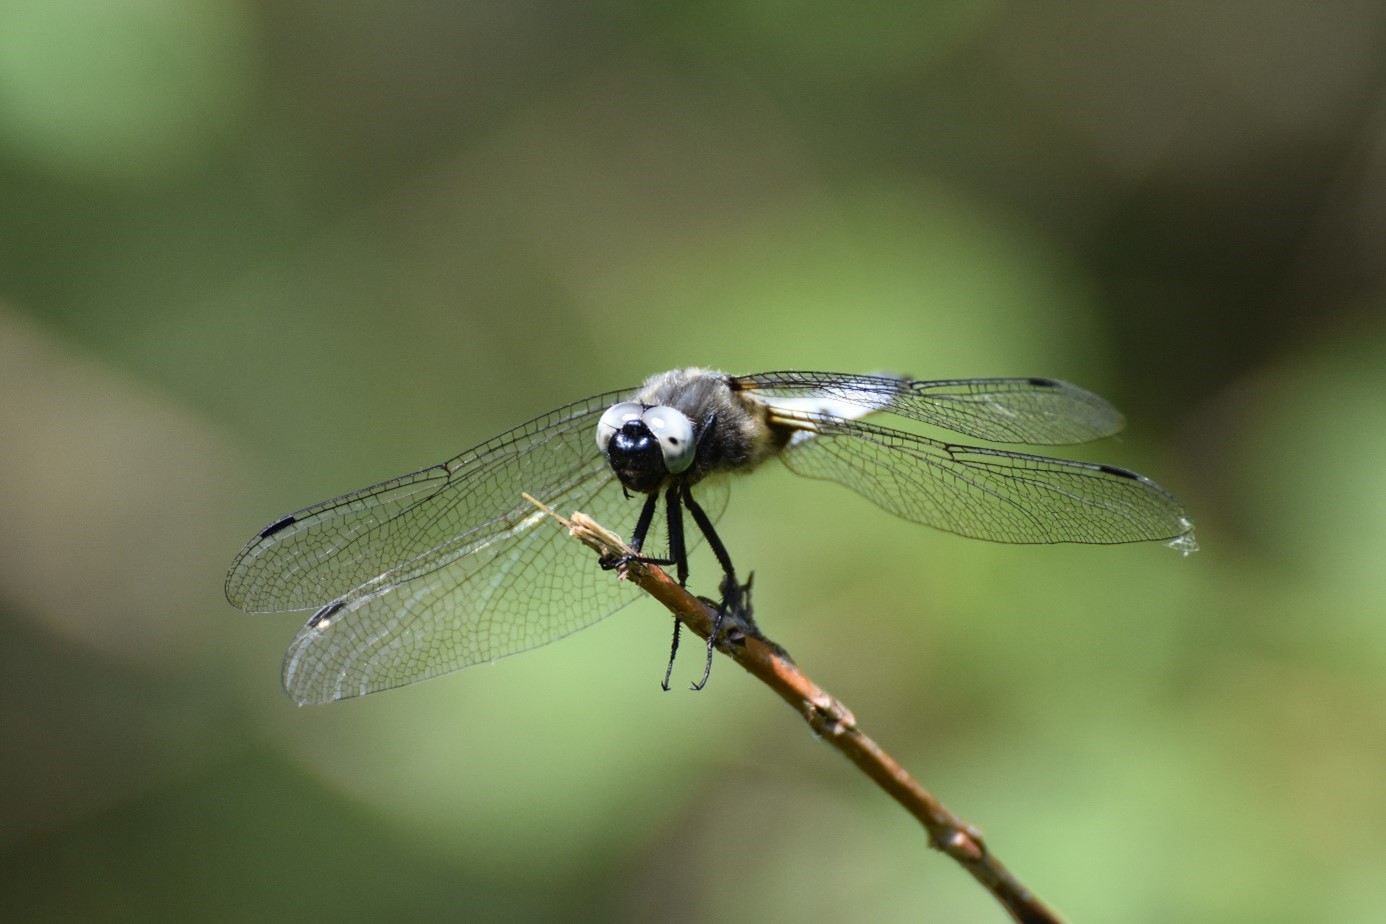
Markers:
<point>645,445</point>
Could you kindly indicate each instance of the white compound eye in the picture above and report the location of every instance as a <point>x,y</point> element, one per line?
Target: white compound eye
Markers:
<point>675,435</point>
<point>614,419</point>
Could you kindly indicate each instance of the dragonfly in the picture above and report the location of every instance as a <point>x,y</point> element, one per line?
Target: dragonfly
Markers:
<point>452,565</point>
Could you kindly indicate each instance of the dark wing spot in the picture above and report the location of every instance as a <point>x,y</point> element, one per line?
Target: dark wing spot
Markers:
<point>276,526</point>
<point>1120,472</point>
<point>1043,383</point>
<point>325,613</point>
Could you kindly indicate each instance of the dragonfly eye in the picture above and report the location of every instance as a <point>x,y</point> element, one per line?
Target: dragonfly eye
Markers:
<point>614,419</point>
<point>675,435</point>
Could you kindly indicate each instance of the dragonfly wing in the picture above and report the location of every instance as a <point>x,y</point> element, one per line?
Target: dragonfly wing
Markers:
<point>448,566</point>
<point>510,591</point>
<point>422,520</point>
<point>516,590</point>
<point>988,493</point>
<point>1008,410</point>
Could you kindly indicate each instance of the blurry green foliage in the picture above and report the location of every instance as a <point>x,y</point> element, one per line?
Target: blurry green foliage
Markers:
<point>122,92</point>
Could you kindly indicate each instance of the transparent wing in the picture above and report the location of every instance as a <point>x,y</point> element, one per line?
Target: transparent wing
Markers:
<point>1033,411</point>
<point>522,589</point>
<point>449,566</point>
<point>422,520</point>
<point>988,493</point>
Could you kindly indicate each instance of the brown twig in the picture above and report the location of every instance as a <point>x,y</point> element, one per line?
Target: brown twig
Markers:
<point>828,717</point>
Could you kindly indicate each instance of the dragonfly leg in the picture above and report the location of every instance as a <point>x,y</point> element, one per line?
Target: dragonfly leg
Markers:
<point>679,554</point>
<point>642,525</point>
<point>637,539</point>
<point>731,588</point>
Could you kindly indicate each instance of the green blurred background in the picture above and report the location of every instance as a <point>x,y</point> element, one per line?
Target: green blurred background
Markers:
<point>255,253</point>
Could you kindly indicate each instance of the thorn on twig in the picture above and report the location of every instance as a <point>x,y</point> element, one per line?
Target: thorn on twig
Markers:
<point>963,844</point>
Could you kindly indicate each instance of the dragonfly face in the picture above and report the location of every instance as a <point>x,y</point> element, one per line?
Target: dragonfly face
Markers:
<point>450,566</point>
<point>645,446</point>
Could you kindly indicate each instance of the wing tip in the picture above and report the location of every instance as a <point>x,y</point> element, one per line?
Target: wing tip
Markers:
<point>1184,543</point>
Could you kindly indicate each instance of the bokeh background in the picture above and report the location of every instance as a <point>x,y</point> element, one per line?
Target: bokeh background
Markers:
<point>255,253</point>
